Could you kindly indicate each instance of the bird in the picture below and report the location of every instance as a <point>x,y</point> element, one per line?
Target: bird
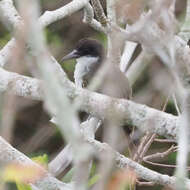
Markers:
<point>90,56</point>
<point>90,59</point>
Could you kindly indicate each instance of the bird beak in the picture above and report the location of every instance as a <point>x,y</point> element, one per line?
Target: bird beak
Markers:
<point>72,55</point>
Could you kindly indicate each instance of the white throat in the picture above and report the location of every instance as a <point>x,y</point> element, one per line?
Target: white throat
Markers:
<point>82,67</point>
<point>86,60</point>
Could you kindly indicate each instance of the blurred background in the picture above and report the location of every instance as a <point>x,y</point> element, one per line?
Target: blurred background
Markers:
<point>33,134</point>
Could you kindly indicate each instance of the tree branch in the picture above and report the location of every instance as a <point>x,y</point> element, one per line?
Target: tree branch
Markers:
<point>95,103</point>
<point>89,19</point>
<point>9,155</point>
<point>142,172</point>
<point>51,16</point>
<point>9,14</point>
<point>99,12</point>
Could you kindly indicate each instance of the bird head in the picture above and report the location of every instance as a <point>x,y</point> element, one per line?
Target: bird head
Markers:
<point>86,48</point>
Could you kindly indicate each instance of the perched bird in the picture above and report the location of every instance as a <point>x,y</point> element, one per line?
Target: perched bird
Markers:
<point>90,56</point>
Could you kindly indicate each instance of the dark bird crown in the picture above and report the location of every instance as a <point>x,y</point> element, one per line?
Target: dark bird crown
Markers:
<point>89,47</point>
<point>86,47</point>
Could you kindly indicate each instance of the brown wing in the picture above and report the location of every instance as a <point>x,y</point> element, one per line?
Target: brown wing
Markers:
<point>116,84</point>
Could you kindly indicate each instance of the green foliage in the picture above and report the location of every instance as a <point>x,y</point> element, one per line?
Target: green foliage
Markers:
<point>93,180</point>
<point>69,66</point>
<point>22,186</point>
<point>102,38</point>
<point>52,37</point>
<point>43,160</point>
<point>93,176</point>
<point>172,158</point>
<point>93,169</point>
<point>4,39</point>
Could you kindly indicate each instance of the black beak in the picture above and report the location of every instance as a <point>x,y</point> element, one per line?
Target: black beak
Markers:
<point>72,55</point>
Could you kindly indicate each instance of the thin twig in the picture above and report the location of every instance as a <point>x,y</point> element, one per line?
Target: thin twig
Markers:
<point>144,183</point>
<point>161,154</point>
<point>165,140</point>
<point>142,144</point>
<point>176,104</point>
<point>89,19</point>
<point>99,12</point>
<point>147,146</point>
<point>164,165</point>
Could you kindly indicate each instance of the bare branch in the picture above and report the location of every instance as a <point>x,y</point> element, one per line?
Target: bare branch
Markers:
<point>183,144</point>
<point>158,164</point>
<point>99,12</point>
<point>20,85</point>
<point>185,29</point>
<point>111,10</point>
<point>161,154</point>
<point>148,144</point>
<point>165,140</point>
<point>10,17</point>
<point>94,103</point>
<point>89,19</point>
<point>9,155</point>
<point>142,172</point>
<point>127,54</point>
<point>143,142</point>
<point>176,104</point>
<point>61,161</point>
<point>6,52</point>
<point>13,20</point>
<point>141,183</point>
<point>51,16</point>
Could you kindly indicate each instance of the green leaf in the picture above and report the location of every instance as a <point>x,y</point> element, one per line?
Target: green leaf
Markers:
<point>93,180</point>
<point>22,186</point>
<point>43,160</point>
